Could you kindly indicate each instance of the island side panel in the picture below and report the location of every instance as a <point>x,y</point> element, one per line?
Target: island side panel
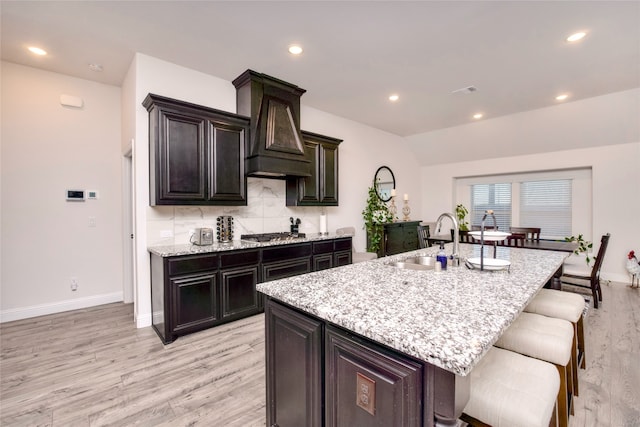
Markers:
<point>293,368</point>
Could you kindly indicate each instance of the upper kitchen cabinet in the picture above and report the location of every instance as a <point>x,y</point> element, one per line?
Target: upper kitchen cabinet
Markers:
<point>196,154</point>
<point>321,188</point>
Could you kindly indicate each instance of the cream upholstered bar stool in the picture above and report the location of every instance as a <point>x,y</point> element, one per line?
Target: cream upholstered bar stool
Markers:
<point>508,389</point>
<point>355,256</point>
<point>567,306</point>
<point>548,339</point>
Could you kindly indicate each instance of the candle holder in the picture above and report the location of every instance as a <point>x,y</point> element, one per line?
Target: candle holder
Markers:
<point>392,208</point>
<point>406,210</point>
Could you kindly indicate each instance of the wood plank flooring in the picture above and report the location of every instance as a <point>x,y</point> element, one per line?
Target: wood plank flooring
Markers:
<point>92,367</point>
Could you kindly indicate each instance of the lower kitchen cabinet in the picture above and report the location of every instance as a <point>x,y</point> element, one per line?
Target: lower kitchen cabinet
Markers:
<point>239,297</point>
<point>194,302</point>
<point>194,292</point>
<point>293,368</point>
<point>318,374</point>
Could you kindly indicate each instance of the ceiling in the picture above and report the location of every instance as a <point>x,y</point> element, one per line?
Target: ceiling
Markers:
<point>356,53</point>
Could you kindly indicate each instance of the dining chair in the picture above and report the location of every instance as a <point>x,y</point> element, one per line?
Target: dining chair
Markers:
<point>355,256</point>
<point>583,277</point>
<point>514,240</point>
<point>423,236</point>
<point>463,236</point>
<point>531,233</point>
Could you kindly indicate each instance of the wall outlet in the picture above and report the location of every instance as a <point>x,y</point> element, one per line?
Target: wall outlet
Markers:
<point>74,284</point>
<point>166,233</point>
<point>92,221</point>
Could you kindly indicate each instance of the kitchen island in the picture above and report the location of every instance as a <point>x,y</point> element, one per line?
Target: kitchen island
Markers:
<point>372,344</point>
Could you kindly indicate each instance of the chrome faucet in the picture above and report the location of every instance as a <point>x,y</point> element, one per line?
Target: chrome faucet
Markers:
<point>455,258</point>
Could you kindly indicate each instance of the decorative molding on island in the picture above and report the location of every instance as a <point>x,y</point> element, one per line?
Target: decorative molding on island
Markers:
<point>443,321</point>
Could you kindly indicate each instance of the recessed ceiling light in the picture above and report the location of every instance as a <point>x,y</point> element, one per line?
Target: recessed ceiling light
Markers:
<point>294,49</point>
<point>393,98</point>
<point>37,50</point>
<point>576,36</point>
<point>562,97</point>
<point>477,116</point>
<point>95,67</point>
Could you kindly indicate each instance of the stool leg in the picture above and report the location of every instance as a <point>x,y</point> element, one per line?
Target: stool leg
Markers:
<point>574,360</point>
<point>581,346</point>
<point>570,390</point>
<point>562,400</point>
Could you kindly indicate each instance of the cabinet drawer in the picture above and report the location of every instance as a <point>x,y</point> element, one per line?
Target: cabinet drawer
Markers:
<point>239,258</point>
<point>322,247</point>
<point>286,252</point>
<point>343,244</point>
<point>192,264</point>
<point>280,270</point>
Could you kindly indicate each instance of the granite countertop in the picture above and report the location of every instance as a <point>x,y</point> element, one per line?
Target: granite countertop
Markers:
<point>448,318</point>
<point>171,249</point>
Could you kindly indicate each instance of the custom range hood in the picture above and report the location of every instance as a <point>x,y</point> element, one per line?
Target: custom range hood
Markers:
<point>275,148</point>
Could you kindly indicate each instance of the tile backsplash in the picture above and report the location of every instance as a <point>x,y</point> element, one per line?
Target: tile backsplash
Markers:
<point>266,212</point>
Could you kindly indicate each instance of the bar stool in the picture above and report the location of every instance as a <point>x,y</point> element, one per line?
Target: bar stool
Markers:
<point>567,306</point>
<point>550,340</point>
<point>509,389</point>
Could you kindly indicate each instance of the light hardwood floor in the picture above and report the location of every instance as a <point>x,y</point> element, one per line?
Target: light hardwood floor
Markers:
<point>94,368</point>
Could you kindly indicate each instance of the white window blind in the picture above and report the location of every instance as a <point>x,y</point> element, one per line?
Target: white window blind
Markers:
<point>496,197</point>
<point>546,204</point>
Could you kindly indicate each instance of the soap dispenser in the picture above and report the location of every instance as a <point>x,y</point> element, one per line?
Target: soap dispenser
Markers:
<point>442,257</point>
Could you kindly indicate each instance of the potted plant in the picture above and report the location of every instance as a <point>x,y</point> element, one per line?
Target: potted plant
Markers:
<point>583,246</point>
<point>375,215</point>
<point>461,213</point>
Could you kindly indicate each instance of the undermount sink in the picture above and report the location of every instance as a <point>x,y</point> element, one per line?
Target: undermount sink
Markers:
<point>416,263</point>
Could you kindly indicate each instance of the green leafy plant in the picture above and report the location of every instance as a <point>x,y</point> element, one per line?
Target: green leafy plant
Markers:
<point>583,246</point>
<point>461,213</point>
<point>375,215</point>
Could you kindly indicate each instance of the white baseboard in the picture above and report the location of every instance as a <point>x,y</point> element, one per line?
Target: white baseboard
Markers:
<point>143,320</point>
<point>58,307</point>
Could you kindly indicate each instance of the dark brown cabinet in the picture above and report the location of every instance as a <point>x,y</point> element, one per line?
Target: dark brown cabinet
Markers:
<point>318,374</point>
<point>398,237</point>
<point>194,292</point>
<point>321,188</point>
<point>239,274</point>
<point>196,154</point>
<point>184,294</point>
<point>293,368</point>
<point>285,261</point>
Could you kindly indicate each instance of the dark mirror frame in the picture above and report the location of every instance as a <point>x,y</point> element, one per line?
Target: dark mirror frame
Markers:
<point>376,181</point>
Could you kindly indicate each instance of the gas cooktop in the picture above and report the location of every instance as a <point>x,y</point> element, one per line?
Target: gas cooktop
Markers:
<point>271,237</point>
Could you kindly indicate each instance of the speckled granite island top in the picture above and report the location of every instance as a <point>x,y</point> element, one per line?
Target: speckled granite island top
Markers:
<point>448,318</point>
<point>171,249</point>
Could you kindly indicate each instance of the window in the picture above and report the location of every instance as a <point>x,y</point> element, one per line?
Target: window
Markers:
<point>496,197</point>
<point>547,204</point>
<point>558,202</point>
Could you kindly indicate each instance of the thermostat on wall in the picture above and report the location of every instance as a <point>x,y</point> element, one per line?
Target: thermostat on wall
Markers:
<point>75,195</point>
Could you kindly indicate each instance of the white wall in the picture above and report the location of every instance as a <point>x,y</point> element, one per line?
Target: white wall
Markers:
<point>613,153</point>
<point>364,149</point>
<point>46,149</point>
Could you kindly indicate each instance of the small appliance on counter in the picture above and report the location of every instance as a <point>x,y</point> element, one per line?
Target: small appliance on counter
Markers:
<point>224,229</point>
<point>202,237</point>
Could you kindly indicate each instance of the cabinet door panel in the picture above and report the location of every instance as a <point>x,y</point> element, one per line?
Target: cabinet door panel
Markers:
<point>293,368</point>
<point>368,387</point>
<point>322,262</point>
<point>194,301</point>
<point>239,296</point>
<point>329,174</point>
<point>181,157</point>
<point>228,182</point>
<point>342,258</point>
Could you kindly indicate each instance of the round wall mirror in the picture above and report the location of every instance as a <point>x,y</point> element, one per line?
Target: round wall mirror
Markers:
<point>384,182</point>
